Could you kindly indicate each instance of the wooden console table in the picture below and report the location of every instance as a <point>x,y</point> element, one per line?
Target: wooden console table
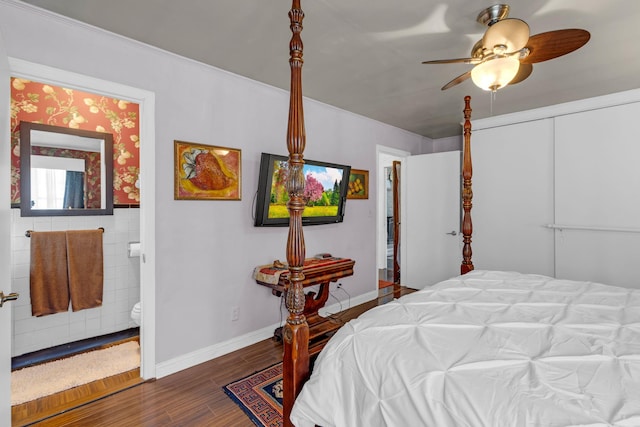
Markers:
<point>317,271</point>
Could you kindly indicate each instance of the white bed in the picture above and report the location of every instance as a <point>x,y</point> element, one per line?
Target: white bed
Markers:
<point>484,349</point>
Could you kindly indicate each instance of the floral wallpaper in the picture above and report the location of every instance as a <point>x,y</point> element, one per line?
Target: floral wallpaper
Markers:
<point>58,106</point>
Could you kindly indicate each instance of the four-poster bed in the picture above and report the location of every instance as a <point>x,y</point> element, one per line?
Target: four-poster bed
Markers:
<point>486,348</point>
<point>295,333</point>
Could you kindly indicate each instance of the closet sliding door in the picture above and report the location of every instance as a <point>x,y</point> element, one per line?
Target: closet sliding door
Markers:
<point>513,197</point>
<point>597,195</point>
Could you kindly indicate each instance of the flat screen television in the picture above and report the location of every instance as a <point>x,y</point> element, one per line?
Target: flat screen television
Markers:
<point>325,192</point>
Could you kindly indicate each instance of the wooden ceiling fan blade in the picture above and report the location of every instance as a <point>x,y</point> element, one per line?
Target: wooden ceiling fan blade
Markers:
<point>552,44</point>
<point>524,71</point>
<point>452,61</point>
<point>457,80</point>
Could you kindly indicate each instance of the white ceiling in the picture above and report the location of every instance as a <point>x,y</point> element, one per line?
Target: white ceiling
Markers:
<point>365,55</point>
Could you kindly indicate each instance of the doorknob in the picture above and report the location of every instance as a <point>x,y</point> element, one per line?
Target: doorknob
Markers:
<point>453,233</point>
<point>11,297</point>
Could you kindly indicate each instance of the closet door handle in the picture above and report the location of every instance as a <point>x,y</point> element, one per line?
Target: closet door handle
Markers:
<point>453,233</point>
<point>11,297</point>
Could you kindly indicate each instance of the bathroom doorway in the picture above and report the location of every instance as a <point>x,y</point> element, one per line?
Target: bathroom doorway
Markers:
<point>145,214</point>
<point>388,236</point>
<point>392,204</point>
<point>388,175</point>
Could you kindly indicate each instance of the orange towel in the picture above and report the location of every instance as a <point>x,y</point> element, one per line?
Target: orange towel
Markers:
<point>85,260</point>
<point>48,273</point>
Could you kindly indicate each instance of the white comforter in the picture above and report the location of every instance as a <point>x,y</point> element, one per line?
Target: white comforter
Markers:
<point>484,349</point>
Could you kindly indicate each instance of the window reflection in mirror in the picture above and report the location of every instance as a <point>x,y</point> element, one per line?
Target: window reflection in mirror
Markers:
<point>57,182</point>
<point>65,171</point>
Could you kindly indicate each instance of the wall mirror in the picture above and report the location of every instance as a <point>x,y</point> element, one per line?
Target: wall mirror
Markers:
<point>65,171</point>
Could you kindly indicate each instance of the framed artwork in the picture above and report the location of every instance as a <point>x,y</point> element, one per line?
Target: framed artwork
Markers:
<point>358,184</point>
<point>206,172</point>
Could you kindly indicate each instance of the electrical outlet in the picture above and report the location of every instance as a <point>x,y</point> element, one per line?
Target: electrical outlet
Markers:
<point>235,313</point>
<point>339,286</point>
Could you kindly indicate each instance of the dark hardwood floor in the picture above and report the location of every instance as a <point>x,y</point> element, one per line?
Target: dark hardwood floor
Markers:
<point>192,397</point>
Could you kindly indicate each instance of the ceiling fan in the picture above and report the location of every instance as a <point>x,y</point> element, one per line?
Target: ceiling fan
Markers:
<point>505,55</point>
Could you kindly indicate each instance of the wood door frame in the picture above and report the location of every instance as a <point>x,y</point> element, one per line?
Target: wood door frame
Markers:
<point>396,174</point>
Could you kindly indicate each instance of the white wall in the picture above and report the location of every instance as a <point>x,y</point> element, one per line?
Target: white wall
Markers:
<point>121,282</point>
<point>206,250</point>
<point>452,143</point>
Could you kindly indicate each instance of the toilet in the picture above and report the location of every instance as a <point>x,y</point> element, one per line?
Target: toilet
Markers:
<point>135,314</point>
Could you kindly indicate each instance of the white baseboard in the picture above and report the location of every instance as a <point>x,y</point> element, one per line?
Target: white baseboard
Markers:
<point>348,302</point>
<point>197,357</point>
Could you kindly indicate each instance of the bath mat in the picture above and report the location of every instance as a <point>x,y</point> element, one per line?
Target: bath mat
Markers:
<point>260,396</point>
<point>47,378</point>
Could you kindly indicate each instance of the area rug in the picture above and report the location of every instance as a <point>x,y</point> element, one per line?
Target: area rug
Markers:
<point>47,378</point>
<point>260,396</point>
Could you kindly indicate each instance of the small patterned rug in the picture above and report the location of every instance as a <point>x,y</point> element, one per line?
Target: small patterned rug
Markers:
<point>260,396</point>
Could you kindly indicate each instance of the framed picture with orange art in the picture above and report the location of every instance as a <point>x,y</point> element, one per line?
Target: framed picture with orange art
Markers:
<point>358,184</point>
<point>207,172</point>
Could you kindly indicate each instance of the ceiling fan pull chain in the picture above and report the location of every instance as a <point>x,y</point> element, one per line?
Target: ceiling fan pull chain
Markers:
<point>492,96</point>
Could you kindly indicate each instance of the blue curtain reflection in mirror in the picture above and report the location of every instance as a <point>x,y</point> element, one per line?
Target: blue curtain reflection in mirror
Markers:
<point>74,190</point>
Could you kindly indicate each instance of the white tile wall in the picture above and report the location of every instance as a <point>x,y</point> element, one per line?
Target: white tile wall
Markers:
<point>121,282</point>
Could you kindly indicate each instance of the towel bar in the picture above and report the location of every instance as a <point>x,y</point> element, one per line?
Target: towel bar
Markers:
<point>28,232</point>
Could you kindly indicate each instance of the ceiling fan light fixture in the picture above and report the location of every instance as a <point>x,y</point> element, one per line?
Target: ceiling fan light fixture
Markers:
<point>511,32</point>
<point>495,73</point>
<point>506,52</point>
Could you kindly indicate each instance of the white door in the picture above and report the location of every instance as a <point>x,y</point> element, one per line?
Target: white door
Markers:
<point>430,219</point>
<point>5,241</point>
<point>596,187</point>
<point>513,197</point>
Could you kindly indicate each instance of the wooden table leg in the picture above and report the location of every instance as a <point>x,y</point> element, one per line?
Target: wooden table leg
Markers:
<point>313,302</point>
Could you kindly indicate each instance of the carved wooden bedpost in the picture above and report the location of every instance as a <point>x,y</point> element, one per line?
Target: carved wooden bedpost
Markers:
<point>467,193</point>
<point>296,330</point>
